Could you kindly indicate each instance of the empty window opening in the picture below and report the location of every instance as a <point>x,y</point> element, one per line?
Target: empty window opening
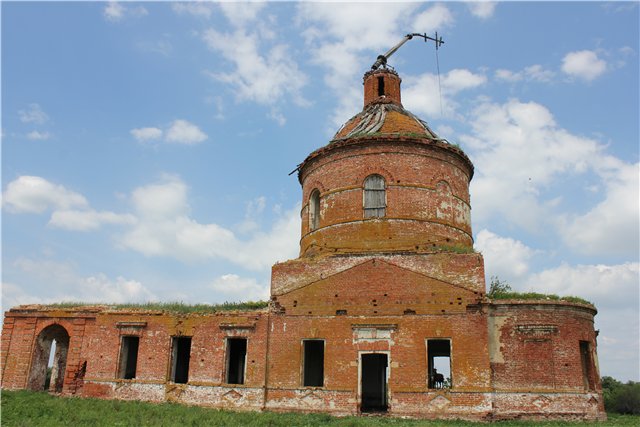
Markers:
<point>314,209</point>
<point>381,86</point>
<point>236,360</point>
<point>49,359</point>
<point>439,363</point>
<point>128,357</point>
<point>587,365</point>
<point>180,355</point>
<point>313,362</point>
<point>374,197</point>
<point>374,382</point>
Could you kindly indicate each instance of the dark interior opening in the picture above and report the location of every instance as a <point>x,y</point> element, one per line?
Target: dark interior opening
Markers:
<point>313,363</point>
<point>587,365</point>
<point>181,354</point>
<point>374,383</point>
<point>381,86</point>
<point>129,357</point>
<point>439,363</point>
<point>236,359</point>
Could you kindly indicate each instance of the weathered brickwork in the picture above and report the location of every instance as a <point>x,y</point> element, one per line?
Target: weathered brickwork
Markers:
<point>387,286</point>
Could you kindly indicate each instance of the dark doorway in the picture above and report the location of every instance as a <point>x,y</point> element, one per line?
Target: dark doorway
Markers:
<point>236,360</point>
<point>313,363</point>
<point>41,355</point>
<point>180,355</point>
<point>374,382</point>
<point>128,357</point>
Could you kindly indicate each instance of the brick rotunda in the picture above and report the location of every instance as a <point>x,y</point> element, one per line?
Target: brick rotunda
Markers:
<point>384,311</point>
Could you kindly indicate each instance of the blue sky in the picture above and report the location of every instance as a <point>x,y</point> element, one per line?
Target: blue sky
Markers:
<point>146,146</point>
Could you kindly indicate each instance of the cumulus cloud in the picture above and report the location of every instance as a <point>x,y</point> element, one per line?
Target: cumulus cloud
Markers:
<point>33,114</point>
<point>519,150</point>
<point>584,65</point>
<point>612,226</point>
<point>164,227</point>
<point>421,94</point>
<point>481,8</point>
<point>233,288</point>
<point>504,257</point>
<point>183,132</point>
<point>59,281</point>
<point>146,134</point>
<point>266,78</point>
<point>33,194</point>
<point>435,18</point>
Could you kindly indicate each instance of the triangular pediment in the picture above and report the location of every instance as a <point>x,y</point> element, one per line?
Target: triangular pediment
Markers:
<point>376,286</point>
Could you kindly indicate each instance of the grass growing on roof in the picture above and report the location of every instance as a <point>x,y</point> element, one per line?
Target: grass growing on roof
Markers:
<point>174,307</point>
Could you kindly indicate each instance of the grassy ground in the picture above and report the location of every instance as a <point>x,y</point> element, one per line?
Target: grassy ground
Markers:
<point>25,408</point>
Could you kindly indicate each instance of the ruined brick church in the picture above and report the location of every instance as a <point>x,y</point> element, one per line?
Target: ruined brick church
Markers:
<point>384,311</point>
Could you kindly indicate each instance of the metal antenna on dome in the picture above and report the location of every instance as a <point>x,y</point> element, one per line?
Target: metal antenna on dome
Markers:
<point>382,59</point>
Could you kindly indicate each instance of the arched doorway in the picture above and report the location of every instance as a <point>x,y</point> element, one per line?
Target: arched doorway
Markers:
<point>41,355</point>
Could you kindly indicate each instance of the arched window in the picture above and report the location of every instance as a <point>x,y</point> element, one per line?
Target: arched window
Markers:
<point>375,202</point>
<point>314,209</point>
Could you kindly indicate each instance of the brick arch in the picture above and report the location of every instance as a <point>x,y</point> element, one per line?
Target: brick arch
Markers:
<point>50,332</point>
<point>377,170</point>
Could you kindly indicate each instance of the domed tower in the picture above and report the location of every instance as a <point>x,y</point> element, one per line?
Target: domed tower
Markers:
<point>385,183</point>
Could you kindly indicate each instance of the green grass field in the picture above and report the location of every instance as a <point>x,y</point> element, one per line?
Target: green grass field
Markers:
<point>25,408</point>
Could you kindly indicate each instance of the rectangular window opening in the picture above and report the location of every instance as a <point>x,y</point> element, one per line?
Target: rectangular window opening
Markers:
<point>587,365</point>
<point>236,360</point>
<point>439,363</point>
<point>128,357</point>
<point>180,355</point>
<point>381,86</point>
<point>313,363</point>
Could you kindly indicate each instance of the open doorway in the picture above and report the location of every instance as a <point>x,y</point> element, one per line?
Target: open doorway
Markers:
<point>373,383</point>
<point>49,359</point>
<point>439,363</point>
<point>180,356</point>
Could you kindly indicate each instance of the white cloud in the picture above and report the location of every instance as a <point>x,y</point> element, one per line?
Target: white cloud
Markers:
<point>146,134</point>
<point>33,114</point>
<point>266,78</point>
<point>53,281</point>
<point>421,94</point>
<point>85,220</point>
<point>612,287</point>
<point>481,8</point>
<point>233,288</point>
<point>165,228</point>
<point>34,194</point>
<point>504,257</point>
<point>201,9</point>
<point>38,136</point>
<point>612,226</point>
<point>583,64</point>
<point>433,19</point>
<point>115,11</point>
<point>519,151</point>
<point>536,73</point>
<point>242,13</point>
<point>183,132</point>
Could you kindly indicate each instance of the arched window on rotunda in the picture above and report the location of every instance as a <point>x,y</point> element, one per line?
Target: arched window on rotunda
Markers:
<point>375,202</point>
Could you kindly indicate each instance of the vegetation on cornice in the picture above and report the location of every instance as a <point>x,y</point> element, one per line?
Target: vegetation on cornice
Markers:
<point>172,307</point>
<point>501,290</point>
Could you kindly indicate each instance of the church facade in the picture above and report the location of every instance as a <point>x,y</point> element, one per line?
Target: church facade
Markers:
<point>384,311</point>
